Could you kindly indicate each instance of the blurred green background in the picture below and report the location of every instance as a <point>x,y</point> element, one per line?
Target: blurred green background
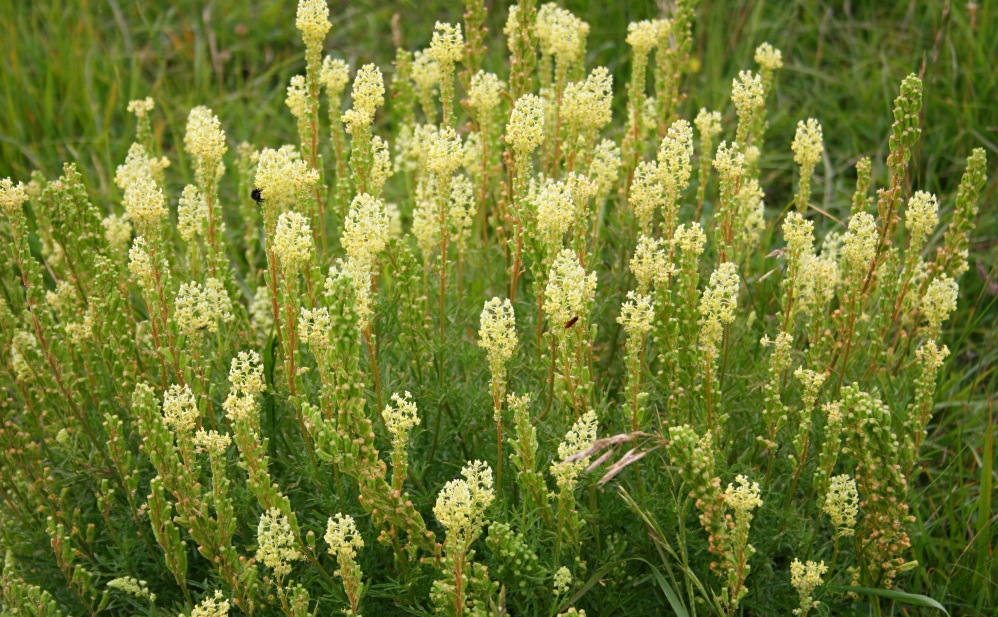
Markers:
<point>69,67</point>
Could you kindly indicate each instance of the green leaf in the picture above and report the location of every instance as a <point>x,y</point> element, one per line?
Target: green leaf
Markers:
<point>892,594</point>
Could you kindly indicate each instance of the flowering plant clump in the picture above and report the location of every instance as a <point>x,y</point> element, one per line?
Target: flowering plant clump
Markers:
<point>474,266</point>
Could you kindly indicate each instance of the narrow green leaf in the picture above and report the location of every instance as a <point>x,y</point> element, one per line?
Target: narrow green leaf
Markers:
<point>892,594</point>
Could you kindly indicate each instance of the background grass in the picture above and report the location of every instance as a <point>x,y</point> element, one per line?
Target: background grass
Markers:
<point>68,68</point>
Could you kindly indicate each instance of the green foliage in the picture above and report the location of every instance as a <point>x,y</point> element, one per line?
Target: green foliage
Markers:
<point>194,375</point>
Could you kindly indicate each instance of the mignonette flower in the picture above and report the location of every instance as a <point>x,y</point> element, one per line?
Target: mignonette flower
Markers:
<point>293,241</point>
<point>212,606</point>
<point>283,177</point>
<point>587,104</point>
<point>859,244</point>
<point>205,141</point>
<point>334,77</point>
<point>555,214</point>
<point>401,417</point>
<point>483,95</point>
<point>720,298</point>
<point>842,504</point>
<point>141,108</point>
<point>570,291</point>
<point>140,263</point>
<point>365,231</point>
<point>314,326</point>
<point>342,537</point>
<point>297,97</point>
<point>461,503</point>
<point>444,152</point>
<point>312,21</point>
<point>562,581</point>
<point>768,57</point>
<point>743,498</point>
<point>180,411</point>
<point>447,44</point>
<point>12,197</point>
<point>920,219</point>
<point>708,124</point>
<point>497,335</point>
<point>807,145</point>
<point>213,442</point>
<point>560,33</point>
<point>647,194</point>
<point>806,577</point>
<point>130,584</point>
<point>604,168</point>
<point>144,202</point>
<point>642,36</point>
<point>276,543</point>
<point>650,263</point>
<point>747,94</point>
<point>939,302</point>
<point>192,214</point>
<point>636,315</point>
<point>525,130</point>
<point>368,94</point>
<point>579,438</point>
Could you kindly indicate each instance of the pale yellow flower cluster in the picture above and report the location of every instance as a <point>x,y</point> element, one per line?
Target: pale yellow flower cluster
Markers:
<point>283,177</point>
<point>747,94</point>
<point>246,378</point>
<point>798,233</point>
<point>920,219</point>
<point>650,264</point>
<point>297,98</point>
<point>368,95</point>
<point>708,124</point>
<point>444,151</point>
<point>742,498</point>
<point>205,142</point>
<point>637,315</point>
<point>560,33</point>
<point>859,244</point>
<point>768,57</point>
<point>23,343</point>
<point>180,410</point>
<point>144,202</point>
<point>811,381</point>
<point>192,214</point>
<point>842,504</point>
<point>312,21</point>
<point>12,197</point>
<point>401,417</point>
<point>647,194</point>
<point>729,161</point>
<point>342,537</point>
<point>276,543</point>
<point>130,584</point>
<point>604,168</point>
<point>720,298</point>
<point>690,240</point>
<point>141,107</point>
<point>212,606</point>
<point>461,503</point>
<point>140,263</point>
<point>806,577</point>
<point>365,231</point>
<point>425,72</point>
<point>497,334</point>
<point>483,95</point>
<point>314,326</point>
<point>525,130</point>
<point>447,45</point>
<point>586,105</point>
<point>293,241</point>
<point>334,77</point>
<point>561,582</point>
<point>674,158</point>
<point>570,290</point>
<point>642,35</point>
<point>807,145</point>
<point>138,164</point>
<point>939,302</point>
<point>579,438</point>
<point>555,214</point>
<point>198,310</point>
<point>212,442</point>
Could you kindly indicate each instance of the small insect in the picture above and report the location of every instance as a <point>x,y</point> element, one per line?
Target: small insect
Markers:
<point>571,322</point>
<point>257,196</point>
